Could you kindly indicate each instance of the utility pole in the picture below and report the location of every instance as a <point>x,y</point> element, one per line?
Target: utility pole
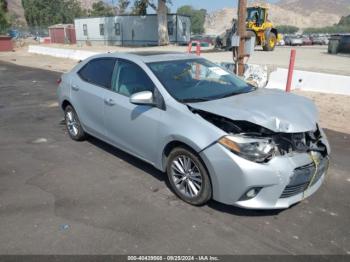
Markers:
<point>242,15</point>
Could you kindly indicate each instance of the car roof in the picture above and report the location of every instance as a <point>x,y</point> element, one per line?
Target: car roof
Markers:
<point>158,56</point>
<point>150,56</point>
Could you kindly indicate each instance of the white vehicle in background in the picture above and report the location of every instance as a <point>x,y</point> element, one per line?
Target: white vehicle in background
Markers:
<point>296,41</point>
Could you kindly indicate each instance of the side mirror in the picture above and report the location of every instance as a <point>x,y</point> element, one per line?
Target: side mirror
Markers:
<point>142,98</point>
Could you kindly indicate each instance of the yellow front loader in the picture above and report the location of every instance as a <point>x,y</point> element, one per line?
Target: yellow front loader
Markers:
<point>259,26</point>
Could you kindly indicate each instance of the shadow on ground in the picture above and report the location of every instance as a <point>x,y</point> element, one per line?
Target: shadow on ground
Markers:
<point>149,169</point>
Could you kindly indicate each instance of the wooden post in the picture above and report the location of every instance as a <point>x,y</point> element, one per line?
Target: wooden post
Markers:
<point>242,15</point>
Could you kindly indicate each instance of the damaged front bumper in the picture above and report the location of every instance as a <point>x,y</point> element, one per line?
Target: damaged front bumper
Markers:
<point>282,182</point>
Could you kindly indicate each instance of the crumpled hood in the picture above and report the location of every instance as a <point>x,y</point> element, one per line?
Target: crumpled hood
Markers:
<point>272,109</point>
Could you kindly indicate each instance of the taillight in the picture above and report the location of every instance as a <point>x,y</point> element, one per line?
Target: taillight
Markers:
<point>59,80</point>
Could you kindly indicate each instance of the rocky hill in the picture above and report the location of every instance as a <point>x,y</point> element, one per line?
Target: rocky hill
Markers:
<point>307,7</point>
<point>300,13</point>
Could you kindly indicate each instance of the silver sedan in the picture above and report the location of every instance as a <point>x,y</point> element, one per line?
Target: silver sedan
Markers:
<point>215,136</point>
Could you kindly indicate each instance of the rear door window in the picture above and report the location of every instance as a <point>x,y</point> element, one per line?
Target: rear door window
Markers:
<point>98,72</point>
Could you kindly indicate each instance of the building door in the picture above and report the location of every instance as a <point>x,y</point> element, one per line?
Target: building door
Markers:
<point>118,33</point>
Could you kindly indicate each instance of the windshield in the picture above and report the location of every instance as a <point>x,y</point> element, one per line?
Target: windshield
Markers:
<point>196,80</point>
<point>255,14</point>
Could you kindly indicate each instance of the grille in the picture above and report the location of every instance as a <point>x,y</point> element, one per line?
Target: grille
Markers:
<point>293,190</point>
<point>302,176</point>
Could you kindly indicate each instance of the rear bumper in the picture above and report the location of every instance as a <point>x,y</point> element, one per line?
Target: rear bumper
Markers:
<point>232,176</point>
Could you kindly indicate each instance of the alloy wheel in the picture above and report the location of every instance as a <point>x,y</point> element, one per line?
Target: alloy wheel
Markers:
<point>72,124</point>
<point>186,176</point>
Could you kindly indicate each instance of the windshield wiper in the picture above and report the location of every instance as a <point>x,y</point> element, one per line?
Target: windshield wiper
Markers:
<point>194,100</point>
<point>235,93</point>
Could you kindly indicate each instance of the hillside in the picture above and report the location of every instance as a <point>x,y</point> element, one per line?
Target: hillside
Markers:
<point>301,13</point>
<point>338,7</point>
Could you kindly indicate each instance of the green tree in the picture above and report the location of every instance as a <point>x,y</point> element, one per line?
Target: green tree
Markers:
<point>345,20</point>
<point>47,12</point>
<point>140,7</point>
<point>197,17</point>
<point>287,29</point>
<point>101,9</point>
<point>122,6</point>
<point>4,20</point>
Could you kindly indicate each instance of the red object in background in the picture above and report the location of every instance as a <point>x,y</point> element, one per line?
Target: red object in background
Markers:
<point>47,40</point>
<point>290,70</point>
<point>63,34</point>
<point>198,47</point>
<point>6,44</point>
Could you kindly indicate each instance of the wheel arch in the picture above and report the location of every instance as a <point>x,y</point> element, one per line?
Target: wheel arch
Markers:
<point>177,143</point>
<point>65,103</point>
<point>172,145</point>
<point>275,31</point>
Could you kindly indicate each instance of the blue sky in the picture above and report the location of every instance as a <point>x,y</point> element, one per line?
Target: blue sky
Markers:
<point>210,5</point>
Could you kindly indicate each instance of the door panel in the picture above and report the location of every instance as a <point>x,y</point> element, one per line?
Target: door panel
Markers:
<point>133,128</point>
<point>88,102</point>
<point>88,92</point>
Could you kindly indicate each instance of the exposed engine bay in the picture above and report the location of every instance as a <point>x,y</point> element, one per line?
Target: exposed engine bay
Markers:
<point>285,143</point>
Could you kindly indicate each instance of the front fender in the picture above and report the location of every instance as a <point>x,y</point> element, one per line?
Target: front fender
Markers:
<point>187,128</point>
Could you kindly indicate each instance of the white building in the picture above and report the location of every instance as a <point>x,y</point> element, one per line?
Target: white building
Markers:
<point>130,30</point>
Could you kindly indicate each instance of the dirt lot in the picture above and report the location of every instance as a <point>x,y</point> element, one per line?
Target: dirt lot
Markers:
<point>309,58</point>
<point>63,197</point>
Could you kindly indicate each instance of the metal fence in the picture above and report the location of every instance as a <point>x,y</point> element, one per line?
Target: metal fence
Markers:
<point>24,32</point>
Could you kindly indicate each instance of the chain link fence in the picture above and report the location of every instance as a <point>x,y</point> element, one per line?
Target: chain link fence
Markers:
<point>23,35</point>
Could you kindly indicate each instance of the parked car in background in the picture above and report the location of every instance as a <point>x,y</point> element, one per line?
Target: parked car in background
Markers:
<point>296,41</point>
<point>319,40</point>
<point>203,39</point>
<point>287,40</point>
<point>212,134</point>
<point>339,44</point>
<point>307,40</point>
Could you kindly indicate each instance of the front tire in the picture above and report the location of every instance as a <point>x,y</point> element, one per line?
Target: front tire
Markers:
<point>74,128</point>
<point>271,42</point>
<point>188,177</point>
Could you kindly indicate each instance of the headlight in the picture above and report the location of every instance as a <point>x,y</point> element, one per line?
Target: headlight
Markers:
<point>252,148</point>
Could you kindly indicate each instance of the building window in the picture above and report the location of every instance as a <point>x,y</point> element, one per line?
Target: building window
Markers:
<point>117,28</point>
<point>183,28</point>
<point>170,28</point>
<point>102,29</point>
<point>85,30</point>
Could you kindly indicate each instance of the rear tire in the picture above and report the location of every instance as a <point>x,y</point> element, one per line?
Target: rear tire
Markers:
<point>271,42</point>
<point>74,128</point>
<point>188,177</point>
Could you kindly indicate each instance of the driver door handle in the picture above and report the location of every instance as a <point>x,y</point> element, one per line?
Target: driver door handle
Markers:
<point>109,102</point>
<point>75,88</point>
